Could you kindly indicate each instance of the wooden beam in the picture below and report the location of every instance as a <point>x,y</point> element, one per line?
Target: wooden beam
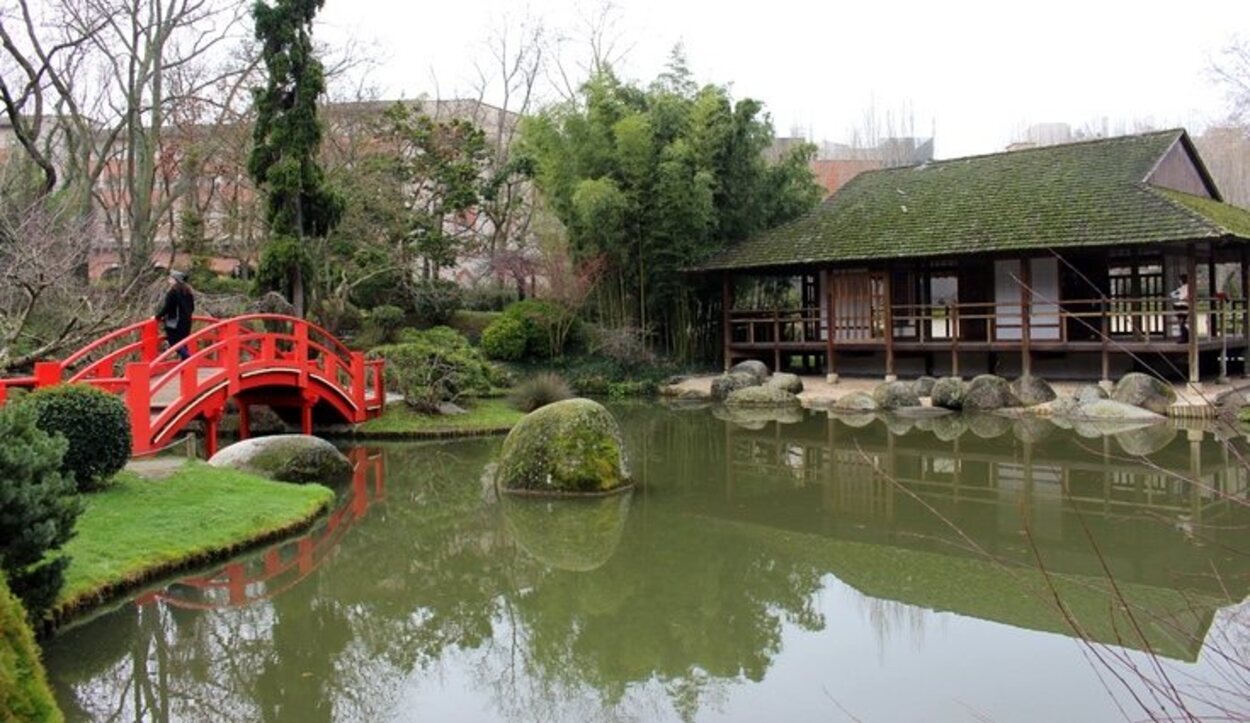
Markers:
<point>1191,272</point>
<point>726,296</point>
<point>1245,310</point>
<point>1026,311</point>
<point>831,330</point>
<point>888,294</point>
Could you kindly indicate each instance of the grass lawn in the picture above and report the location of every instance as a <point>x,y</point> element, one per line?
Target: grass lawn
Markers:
<point>137,529</point>
<point>485,416</point>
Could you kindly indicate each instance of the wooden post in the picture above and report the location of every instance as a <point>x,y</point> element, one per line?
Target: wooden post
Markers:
<point>1191,269</point>
<point>245,420</point>
<point>1245,310</point>
<point>139,404</point>
<point>307,400</point>
<point>47,374</point>
<point>358,385</point>
<point>1026,312</point>
<point>1103,332</point>
<point>888,293</point>
<point>776,340</point>
<point>952,320</point>
<point>831,330</point>
<point>211,428</point>
<point>726,303</point>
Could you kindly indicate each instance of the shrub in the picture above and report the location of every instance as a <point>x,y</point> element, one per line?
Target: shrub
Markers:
<point>472,323</point>
<point>339,316</point>
<point>38,507</point>
<point>434,301</point>
<point>434,366</point>
<point>548,326</point>
<point>505,339</point>
<point>96,425</point>
<point>539,391</point>
<point>385,321</point>
<point>24,692</point>
<point>627,389</point>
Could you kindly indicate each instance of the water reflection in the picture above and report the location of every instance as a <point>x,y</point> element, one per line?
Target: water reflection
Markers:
<point>744,540</point>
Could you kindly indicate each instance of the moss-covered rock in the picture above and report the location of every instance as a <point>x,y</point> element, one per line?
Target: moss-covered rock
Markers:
<point>1089,393</point>
<point>855,402</point>
<point>757,369</point>
<point>762,397</point>
<point>287,457</point>
<point>24,692</point>
<point>1032,390</point>
<point>988,392</point>
<point>576,535</point>
<point>569,447</point>
<point>726,384</point>
<point>924,386</point>
<point>787,382</point>
<point>1143,390</point>
<point>948,393</point>
<point>895,395</point>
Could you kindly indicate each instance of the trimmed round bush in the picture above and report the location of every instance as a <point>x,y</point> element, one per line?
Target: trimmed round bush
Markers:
<point>434,366</point>
<point>96,425</point>
<point>435,300</point>
<point>504,339</point>
<point>569,447</point>
<point>548,326</point>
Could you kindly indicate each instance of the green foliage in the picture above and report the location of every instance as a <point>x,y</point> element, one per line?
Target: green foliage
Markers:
<point>286,141</point>
<point>656,180</point>
<point>472,323</point>
<point>38,507</point>
<point>444,163</point>
<point>96,425</point>
<point>548,326</point>
<point>505,338</point>
<point>434,366</point>
<point>628,389</point>
<point>24,692</point>
<point>489,297</point>
<point>540,390</point>
<point>386,322</point>
<point>434,301</point>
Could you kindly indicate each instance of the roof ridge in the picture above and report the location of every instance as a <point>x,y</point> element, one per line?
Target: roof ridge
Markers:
<point>1177,131</point>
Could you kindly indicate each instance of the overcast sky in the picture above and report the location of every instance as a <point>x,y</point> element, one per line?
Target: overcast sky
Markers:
<point>975,73</point>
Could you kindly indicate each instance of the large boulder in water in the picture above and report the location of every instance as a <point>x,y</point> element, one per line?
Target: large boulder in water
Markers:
<point>787,382</point>
<point>726,384</point>
<point>1031,390</point>
<point>757,369</point>
<point>287,457</point>
<point>948,393</point>
<point>924,386</point>
<point>895,395</point>
<point>762,397</point>
<point>988,392</point>
<point>1143,390</point>
<point>855,402</point>
<point>565,448</point>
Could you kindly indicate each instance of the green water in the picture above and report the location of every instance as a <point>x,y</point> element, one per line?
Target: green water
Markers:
<point>803,569</point>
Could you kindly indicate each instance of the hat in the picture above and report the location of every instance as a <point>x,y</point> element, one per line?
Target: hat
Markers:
<point>177,276</point>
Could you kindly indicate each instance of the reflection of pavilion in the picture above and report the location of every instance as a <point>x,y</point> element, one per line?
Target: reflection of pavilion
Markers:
<point>243,582</point>
<point>871,504</point>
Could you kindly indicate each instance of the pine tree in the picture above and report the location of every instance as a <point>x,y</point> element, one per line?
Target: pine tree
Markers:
<point>286,140</point>
<point>38,508</point>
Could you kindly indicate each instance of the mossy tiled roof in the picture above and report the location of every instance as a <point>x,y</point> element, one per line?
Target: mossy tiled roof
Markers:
<point>1092,193</point>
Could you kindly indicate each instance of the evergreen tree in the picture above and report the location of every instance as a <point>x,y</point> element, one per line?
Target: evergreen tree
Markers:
<point>286,141</point>
<point>38,508</point>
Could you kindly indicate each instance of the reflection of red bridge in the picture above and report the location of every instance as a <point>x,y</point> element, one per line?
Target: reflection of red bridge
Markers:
<point>281,361</point>
<point>283,566</point>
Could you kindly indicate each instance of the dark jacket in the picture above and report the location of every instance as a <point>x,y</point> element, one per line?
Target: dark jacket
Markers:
<point>180,306</point>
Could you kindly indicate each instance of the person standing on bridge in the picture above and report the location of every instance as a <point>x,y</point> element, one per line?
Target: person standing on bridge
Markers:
<point>176,312</point>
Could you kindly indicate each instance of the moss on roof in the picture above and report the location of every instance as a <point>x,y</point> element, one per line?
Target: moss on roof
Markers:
<point>1080,194</point>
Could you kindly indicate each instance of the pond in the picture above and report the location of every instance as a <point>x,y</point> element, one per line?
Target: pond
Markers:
<point>807,568</point>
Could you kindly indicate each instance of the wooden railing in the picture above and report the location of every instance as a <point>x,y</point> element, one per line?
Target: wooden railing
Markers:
<point>1152,319</point>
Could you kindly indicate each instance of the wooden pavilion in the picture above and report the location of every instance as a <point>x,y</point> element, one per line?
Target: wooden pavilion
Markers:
<point>1065,260</point>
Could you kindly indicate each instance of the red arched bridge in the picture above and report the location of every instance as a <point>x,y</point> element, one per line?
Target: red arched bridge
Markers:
<point>299,369</point>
